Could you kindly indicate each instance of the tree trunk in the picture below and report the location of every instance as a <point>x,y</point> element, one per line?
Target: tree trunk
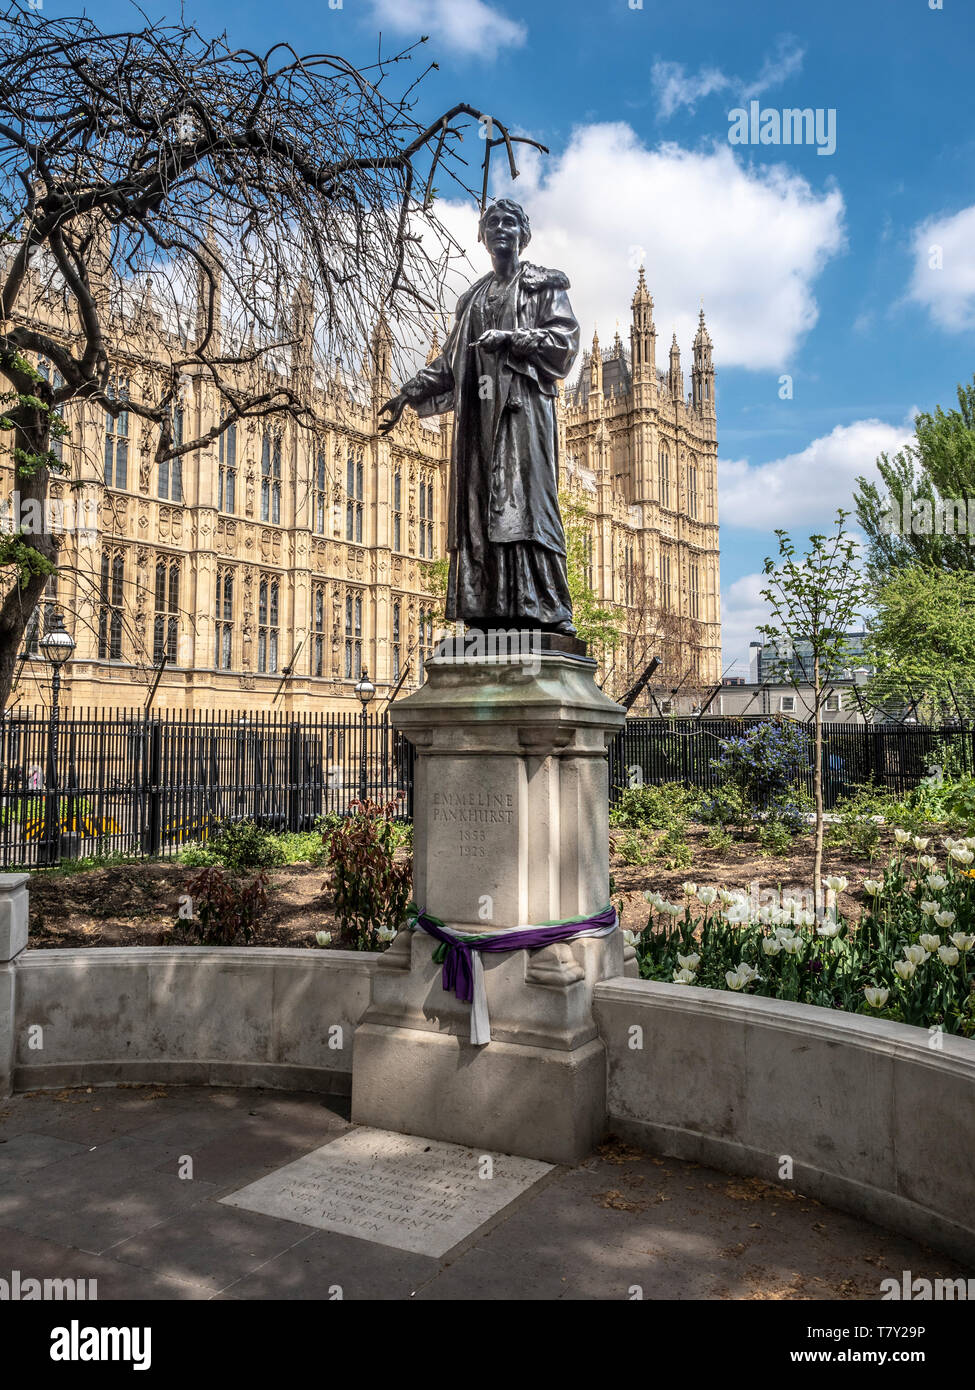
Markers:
<point>31,435</point>
<point>818,793</point>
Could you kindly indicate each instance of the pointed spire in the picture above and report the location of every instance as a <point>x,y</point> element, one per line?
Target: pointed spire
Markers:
<point>595,364</point>
<point>381,353</point>
<point>675,377</point>
<point>434,351</point>
<point>702,337</point>
<point>702,375</point>
<point>641,294</point>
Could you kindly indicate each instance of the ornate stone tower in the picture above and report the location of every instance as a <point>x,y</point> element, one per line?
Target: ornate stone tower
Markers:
<point>641,456</point>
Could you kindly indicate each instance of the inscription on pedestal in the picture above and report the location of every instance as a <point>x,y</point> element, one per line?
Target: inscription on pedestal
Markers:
<point>413,1194</point>
<point>473,841</point>
<point>474,814</point>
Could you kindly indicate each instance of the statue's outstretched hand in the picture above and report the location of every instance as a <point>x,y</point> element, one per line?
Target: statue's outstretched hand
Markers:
<point>395,406</point>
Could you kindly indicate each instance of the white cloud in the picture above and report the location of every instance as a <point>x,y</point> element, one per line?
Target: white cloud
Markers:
<point>676,87</point>
<point>742,609</point>
<point>750,241</point>
<point>805,489</point>
<point>944,269</point>
<point>465,26</point>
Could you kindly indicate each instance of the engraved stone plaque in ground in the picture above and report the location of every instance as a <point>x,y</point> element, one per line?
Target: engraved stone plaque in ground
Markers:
<point>414,1194</point>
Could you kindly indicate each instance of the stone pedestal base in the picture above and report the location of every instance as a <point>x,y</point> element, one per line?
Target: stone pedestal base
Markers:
<point>537,1089</point>
<point>510,829</point>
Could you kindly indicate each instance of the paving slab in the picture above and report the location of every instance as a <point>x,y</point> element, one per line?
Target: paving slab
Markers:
<point>419,1195</point>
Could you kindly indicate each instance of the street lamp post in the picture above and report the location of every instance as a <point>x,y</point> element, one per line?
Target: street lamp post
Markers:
<point>57,644</point>
<point>365,690</point>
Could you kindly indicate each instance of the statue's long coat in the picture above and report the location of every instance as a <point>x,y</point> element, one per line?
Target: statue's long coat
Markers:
<point>504,459</point>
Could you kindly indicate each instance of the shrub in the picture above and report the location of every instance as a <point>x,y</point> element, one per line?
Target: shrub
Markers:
<point>653,807</point>
<point>673,848</point>
<point>775,837</point>
<point>244,844</point>
<point>225,909</point>
<point>718,838</point>
<point>198,856</point>
<point>370,887</point>
<point>766,765</point>
<point>959,801</point>
<point>855,820</point>
<point>632,848</point>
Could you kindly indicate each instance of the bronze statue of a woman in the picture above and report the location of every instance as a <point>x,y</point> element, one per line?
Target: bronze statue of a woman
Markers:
<point>513,339</point>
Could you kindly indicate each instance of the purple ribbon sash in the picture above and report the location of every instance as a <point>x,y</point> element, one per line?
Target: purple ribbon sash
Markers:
<point>457,974</point>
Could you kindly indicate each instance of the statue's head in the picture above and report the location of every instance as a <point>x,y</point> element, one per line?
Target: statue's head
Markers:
<point>501,220</point>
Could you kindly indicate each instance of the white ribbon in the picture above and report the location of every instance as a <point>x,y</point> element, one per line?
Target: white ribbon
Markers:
<point>480,1020</point>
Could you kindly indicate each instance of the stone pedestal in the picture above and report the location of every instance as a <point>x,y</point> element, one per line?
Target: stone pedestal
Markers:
<point>510,829</point>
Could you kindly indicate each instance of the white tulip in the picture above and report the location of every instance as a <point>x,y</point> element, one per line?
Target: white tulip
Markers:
<point>962,855</point>
<point>948,954</point>
<point>929,908</point>
<point>792,945</point>
<point>736,914</point>
<point>690,962</point>
<point>707,895</point>
<point>653,898</point>
<point>969,842</point>
<point>920,843</point>
<point>927,861</point>
<point>734,981</point>
<point>905,968</point>
<point>963,942</point>
<point>836,883</point>
<point>944,919</point>
<point>630,937</point>
<point>917,955</point>
<point>771,946</point>
<point>805,919</point>
<point>937,882</point>
<point>726,897</point>
<point>876,996</point>
<point>386,933</point>
<point>873,886</point>
<point>828,929</point>
<point>929,942</point>
<point>324,938</point>
<point>684,977</point>
<point>902,836</point>
<point>690,890</point>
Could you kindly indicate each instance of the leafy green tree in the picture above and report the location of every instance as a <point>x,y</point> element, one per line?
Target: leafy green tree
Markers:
<point>922,641</point>
<point>599,627</point>
<point>435,582</point>
<point>931,484</point>
<point>814,599</point>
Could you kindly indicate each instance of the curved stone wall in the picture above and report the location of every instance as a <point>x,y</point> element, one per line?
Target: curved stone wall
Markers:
<point>878,1118</point>
<point>250,1016</point>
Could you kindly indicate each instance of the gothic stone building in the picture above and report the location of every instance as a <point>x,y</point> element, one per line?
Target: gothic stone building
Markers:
<point>271,568</point>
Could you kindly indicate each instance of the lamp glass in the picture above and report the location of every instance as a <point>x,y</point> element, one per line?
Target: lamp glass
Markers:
<point>57,644</point>
<point>364,687</point>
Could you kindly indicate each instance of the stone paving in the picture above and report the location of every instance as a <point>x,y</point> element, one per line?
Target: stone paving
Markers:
<point>90,1188</point>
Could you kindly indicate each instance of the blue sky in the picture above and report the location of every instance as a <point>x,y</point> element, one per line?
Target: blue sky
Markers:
<point>853,272</point>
